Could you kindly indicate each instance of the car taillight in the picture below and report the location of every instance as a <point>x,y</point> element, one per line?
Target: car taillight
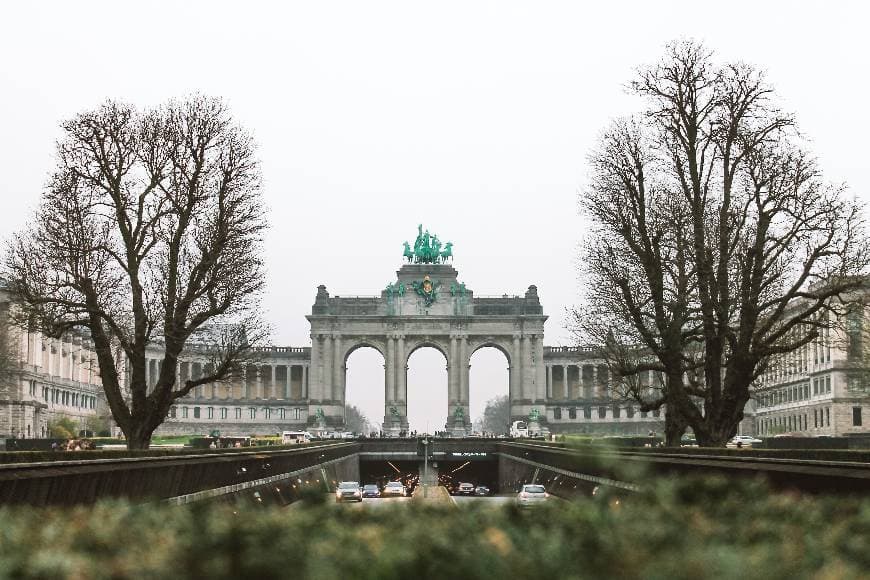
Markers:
<point>524,494</point>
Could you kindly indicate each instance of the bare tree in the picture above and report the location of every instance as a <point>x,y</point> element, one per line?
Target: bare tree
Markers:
<point>149,233</point>
<point>639,272</point>
<point>770,247</point>
<point>355,420</point>
<point>496,415</point>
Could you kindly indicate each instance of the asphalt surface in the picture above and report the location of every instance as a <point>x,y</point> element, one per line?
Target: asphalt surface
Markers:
<point>491,500</point>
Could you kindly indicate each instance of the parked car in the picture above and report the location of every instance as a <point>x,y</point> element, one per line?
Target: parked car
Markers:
<point>531,494</point>
<point>743,441</point>
<point>348,491</point>
<point>481,490</point>
<point>393,488</point>
<point>371,490</point>
<point>465,489</point>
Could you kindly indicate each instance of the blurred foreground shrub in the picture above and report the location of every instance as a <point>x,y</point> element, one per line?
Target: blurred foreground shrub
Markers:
<point>676,529</point>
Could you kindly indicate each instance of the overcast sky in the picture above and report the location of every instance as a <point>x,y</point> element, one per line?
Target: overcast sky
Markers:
<point>471,118</point>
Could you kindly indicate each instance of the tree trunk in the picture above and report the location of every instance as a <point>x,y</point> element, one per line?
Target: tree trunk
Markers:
<point>675,426</point>
<point>139,436</point>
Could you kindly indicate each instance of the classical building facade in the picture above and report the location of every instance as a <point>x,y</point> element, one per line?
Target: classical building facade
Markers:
<point>47,379</point>
<point>813,391</point>
<point>819,389</point>
<point>426,306</point>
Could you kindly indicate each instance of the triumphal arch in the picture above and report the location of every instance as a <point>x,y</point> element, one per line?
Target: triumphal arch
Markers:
<point>427,305</point>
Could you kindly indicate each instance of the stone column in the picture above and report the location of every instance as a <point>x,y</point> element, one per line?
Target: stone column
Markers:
<point>549,381</point>
<point>516,373</point>
<point>540,369</point>
<point>304,387</point>
<point>452,368</point>
<point>401,371</point>
<point>464,369</point>
<point>390,370</point>
<point>566,392</point>
<point>338,369</point>
<point>147,373</point>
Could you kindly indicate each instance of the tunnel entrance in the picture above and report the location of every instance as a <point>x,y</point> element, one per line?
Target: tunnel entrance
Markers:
<point>450,473</point>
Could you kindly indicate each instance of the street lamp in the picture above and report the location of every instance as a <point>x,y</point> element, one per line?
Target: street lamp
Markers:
<point>425,467</point>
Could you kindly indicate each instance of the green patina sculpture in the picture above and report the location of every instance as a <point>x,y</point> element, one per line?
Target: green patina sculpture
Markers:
<point>427,249</point>
<point>394,412</point>
<point>426,289</point>
<point>534,416</point>
<point>319,415</point>
<point>457,289</point>
<point>459,414</point>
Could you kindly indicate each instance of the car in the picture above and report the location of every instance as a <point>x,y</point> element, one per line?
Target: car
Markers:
<point>531,494</point>
<point>742,441</point>
<point>393,488</point>
<point>348,491</point>
<point>371,490</point>
<point>465,489</point>
<point>481,490</point>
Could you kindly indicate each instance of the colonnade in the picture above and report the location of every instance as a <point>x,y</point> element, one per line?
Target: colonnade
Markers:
<point>260,381</point>
<point>577,382</point>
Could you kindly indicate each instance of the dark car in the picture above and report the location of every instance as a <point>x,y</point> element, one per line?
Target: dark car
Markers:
<point>371,490</point>
<point>481,490</point>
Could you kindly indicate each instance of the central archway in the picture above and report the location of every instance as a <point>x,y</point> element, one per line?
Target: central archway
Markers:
<point>427,389</point>
<point>489,382</point>
<point>364,379</point>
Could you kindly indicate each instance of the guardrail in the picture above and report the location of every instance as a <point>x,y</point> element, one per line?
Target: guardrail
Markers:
<point>85,481</point>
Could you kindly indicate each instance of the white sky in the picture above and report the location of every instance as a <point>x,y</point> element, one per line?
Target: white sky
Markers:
<point>472,118</point>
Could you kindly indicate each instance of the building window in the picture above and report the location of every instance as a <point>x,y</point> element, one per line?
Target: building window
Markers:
<point>828,383</point>
<point>816,418</point>
<point>211,412</point>
<point>267,412</point>
<point>643,414</point>
<point>184,412</point>
<point>617,410</point>
<point>656,413</point>
<point>223,412</point>
<point>587,412</point>
<point>196,412</point>
<point>572,412</point>
<point>283,413</point>
<point>828,416</point>
<point>172,412</point>
<point>557,413</point>
<point>296,414</point>
<point>629,411</point>
<point>816,386</point>
<point>856,416</point>
<point>602,412</point>
<point>253,411</point>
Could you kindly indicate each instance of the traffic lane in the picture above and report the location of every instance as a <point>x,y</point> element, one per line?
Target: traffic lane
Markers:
<point>489,500</point>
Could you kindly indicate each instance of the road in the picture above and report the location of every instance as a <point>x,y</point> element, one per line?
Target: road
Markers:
<point>491,500</point>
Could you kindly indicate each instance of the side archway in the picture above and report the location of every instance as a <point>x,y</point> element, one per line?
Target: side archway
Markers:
<point>489,396</point>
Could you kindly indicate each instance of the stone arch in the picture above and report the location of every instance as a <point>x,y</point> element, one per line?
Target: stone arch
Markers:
<point>418,399</point>
<point>425,342</point>
<point>503,346</point>
<point>347,353</point>
<point>363,343</point>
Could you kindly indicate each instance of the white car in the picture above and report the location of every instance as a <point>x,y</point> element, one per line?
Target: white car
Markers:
<point>743,441</point>
<point>393,488</point>
<point>531,494</point>
<point>348,491</point>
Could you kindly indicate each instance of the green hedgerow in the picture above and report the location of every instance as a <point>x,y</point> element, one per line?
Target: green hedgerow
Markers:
<point>675,529</point>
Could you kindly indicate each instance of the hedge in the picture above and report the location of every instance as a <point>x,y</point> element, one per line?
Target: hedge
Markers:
<point>677,530</point>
